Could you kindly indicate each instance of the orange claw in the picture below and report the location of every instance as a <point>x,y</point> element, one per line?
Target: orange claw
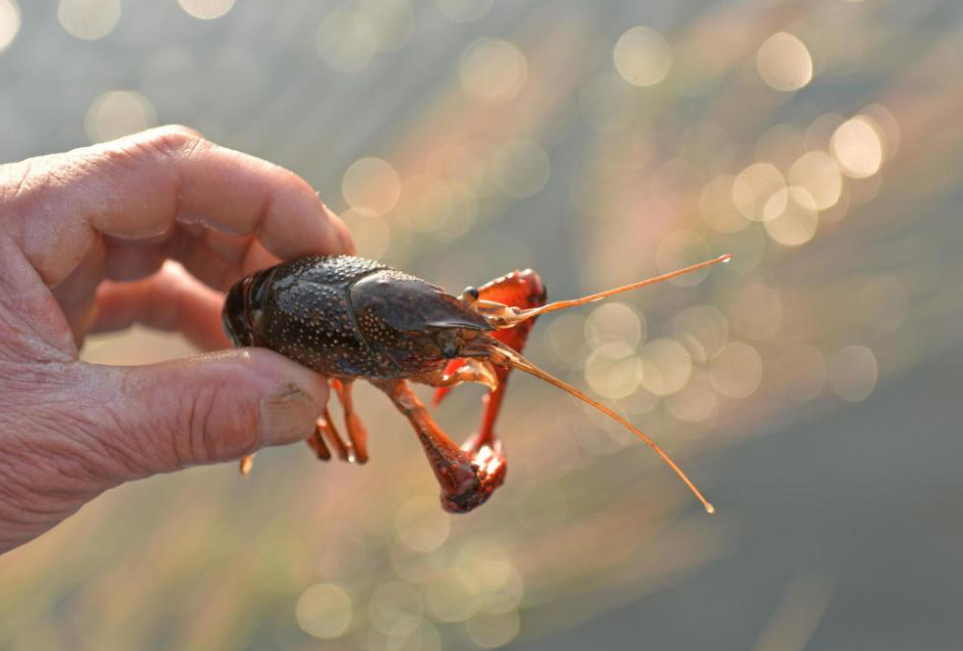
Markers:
<point>522,289</point>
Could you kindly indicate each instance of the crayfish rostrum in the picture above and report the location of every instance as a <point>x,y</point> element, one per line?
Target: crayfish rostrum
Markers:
<point>351,318</point>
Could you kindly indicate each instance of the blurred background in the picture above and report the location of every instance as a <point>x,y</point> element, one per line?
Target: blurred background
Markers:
<point>810,387</point>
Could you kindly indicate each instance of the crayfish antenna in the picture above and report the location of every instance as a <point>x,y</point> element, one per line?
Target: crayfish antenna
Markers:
<point>505,355</point>
<point>501,316</point>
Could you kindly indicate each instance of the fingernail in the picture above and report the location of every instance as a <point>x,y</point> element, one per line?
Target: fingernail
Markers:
<point>287,417</point>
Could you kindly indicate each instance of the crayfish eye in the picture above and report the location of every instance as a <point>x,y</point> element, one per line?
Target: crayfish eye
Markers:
<point>450,351</point>
<point>472,291</point>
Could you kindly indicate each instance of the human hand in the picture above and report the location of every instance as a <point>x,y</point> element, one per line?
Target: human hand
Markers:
<point>84,237</point>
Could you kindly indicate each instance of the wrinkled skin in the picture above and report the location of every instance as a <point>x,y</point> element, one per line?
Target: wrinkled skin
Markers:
<point>85,240</point>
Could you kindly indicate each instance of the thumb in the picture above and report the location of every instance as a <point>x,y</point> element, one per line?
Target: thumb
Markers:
<point>209,408</point>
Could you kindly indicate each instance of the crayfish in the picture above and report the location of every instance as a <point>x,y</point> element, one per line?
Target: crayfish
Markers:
<point>351,318</point>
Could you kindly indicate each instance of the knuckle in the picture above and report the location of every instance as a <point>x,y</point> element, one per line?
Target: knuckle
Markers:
<point>176,142</point>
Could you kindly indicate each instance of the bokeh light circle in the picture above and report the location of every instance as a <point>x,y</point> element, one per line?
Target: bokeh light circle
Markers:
<point>396,608</point>
<point>118,113</point>
<point>736,370</point>
<point>614,322</point>
<point>717,208</point>
<point>753,188</point>
<point>346,41</point>
<point>795,221</point>
<point>702,329</point>
<point>613,371</point>
<point>9,22</point>
<point>371,184</point>
<point>666,366</point>
<point>206,9</point>
<point>421,525</point>
<point>784,62</point>
<point>642,56</point>
<point>492,69</point>
<point>858,147</point>
<point>818,173</point>
<point>324,610</point>
<point>495,630</point>
<point>853,372</point>
<point>695,402</point>
<point>89,19</point>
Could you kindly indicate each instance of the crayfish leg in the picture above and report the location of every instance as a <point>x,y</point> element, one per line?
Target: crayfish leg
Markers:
<point>247,462</point>
<point>330,432</point>
<point>467,479</point>
<point>316,443</point>
<point>357,434</point>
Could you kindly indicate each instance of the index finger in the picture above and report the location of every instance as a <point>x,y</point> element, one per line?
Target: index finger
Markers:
<point>139,187</point>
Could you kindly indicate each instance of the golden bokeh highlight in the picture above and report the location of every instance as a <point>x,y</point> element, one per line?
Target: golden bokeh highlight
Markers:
<point>614,322</point>
<point>371,185</point>
<point>520,168</point>
<point>421,525</point>
<point>324,610</point>
<point>818,173</point>
<point>697,400</point>
<point>450,595</point>
<point>490,631</point>
<point>784,62</point>
<point>396,609</point>
<point>754,187</point>
<point>887,127</point>
<point>666,366</point>
<point>702,329</point>
<point>9,23</point>
<point>89,20</point>
<point>493,70</point>
<point>613,370</point>
<point>206,9</point>
<point>500,586</point>
<point>642,56</point>
<point>858,146</point>
<point>853,372</point>
<point>791,217</point>
<point>118,113</point>
<point>717,208</point>
<point>736,370</point>
<point>464,11</point>
<point>346,41</point>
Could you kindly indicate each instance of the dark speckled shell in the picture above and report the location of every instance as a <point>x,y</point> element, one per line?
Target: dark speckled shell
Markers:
<point>345,316</point>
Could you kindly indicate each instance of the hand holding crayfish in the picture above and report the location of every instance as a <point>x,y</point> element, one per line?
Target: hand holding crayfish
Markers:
<point>83,241</point>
